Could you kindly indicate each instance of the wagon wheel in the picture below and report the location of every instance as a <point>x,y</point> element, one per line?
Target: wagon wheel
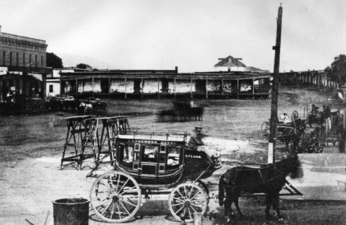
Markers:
<point>115,197</point>
<point>186,199</point>
<point>265,128</point>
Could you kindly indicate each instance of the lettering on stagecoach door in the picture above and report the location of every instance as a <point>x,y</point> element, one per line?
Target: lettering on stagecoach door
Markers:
<point>193,156</point>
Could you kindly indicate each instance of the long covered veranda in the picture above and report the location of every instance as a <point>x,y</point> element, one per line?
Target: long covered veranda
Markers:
<point>165,84</point>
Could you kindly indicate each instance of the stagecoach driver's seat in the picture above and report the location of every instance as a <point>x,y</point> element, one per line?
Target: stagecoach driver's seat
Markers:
<point>195,142</point>
<point>196,139</point>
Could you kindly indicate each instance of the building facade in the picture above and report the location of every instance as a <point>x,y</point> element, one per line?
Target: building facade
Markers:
<point>22,66</point>
<point>164,84</point>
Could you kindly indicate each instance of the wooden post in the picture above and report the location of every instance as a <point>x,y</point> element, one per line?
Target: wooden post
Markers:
<point>274,105</point>
<point>76,87</point>
<point>253,88</point>
<point>206,88</point>
<point>197,218</point>
<point>92,83</point>
<point>142,86</point>
<point>125,88</point>
<point>109,87</point>
<point>175,87</point>
<point>158,87</point>
<point>222,87</point>
<point>1,94</point>
<point>191,87</point>
<point>237,88</point>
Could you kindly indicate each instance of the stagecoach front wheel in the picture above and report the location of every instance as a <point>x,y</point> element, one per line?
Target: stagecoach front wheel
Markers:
<point>115,197</point>
<point>187,199</point>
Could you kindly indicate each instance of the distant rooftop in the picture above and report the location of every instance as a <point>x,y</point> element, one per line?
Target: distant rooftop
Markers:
<point>229,62</point>
<point>21,38</point>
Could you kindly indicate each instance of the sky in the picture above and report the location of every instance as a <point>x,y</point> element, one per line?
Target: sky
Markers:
<point>189,34</point>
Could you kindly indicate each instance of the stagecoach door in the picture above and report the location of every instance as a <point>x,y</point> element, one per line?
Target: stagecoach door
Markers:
<point>149,158</point>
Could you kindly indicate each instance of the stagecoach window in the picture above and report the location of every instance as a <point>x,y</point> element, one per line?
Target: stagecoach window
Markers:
<point>126,155</point>
<point>150,153</point>
<point>173,157</point>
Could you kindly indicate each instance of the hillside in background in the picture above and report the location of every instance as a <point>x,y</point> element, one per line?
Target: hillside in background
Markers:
<point>71,60</point>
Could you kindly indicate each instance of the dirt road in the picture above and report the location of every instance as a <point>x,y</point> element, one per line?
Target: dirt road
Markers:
<point>31,147</point>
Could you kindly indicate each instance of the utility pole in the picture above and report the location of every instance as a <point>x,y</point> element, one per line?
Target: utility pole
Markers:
<point>274,106</point>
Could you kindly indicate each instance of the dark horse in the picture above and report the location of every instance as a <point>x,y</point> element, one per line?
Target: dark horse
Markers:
<point>268,179</point>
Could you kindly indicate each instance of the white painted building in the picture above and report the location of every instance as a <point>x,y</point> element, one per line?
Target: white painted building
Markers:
<point>53,83</point>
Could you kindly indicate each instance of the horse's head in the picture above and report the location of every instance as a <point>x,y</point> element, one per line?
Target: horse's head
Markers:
<point>294,167</point>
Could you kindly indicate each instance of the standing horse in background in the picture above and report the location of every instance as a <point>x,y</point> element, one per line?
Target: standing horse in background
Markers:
<point>268,179</point>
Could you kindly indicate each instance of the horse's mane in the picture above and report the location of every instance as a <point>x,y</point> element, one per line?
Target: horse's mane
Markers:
<point>291,165</point>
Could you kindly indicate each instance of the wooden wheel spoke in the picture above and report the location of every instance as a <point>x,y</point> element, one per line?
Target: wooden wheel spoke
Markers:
<point>124,208</point>
<point>112,212</point>
<point>126,191</point>
<point>197,206</point>
<point>189,212</point>
<point>177,204</point>
<point>180,194</point>
<point>118,182</point>
<point>123,186</point>
<point>178,199</point>
<point>103,201</point>
<point>128,201</point>
<point>119,212</point>
<point>179,209</point>
<point>191,206</point>
<point>185,192</point>
<point>193,197</point>
<point>106,208</point>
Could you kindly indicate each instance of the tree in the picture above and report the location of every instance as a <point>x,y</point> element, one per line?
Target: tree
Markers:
<point>54,61</point>
<point>83,66</point>
<point>337,71</point>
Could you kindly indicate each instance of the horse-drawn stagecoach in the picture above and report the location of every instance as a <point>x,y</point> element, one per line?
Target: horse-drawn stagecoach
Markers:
<point>144,165</point>
<point>153,165</point>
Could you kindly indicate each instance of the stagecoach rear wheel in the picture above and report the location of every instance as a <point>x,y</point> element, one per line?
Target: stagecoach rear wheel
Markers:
<point>115,197</point>
<point>187,199</point>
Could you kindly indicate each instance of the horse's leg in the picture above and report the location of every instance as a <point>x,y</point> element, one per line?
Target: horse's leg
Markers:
<point>228,207</point>
<point>236,198</point>
<point>276,205</point>
<point>269,203</point>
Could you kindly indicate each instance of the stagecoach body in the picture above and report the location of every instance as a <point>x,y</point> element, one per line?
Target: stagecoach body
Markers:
<point>153,165</point>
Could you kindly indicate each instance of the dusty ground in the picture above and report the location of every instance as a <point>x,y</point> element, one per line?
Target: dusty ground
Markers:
<point>31,147</point>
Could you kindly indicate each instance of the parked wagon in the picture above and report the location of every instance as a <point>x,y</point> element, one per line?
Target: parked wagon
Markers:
<point>153,165</point>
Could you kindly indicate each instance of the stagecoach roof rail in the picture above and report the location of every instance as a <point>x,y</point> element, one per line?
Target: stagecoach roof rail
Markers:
<point>152,137</point>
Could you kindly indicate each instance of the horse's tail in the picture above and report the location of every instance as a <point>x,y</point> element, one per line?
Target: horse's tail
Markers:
<point>221,191</point>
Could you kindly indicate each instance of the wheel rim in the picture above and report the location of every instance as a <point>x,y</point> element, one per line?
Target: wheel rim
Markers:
<point>187,199</point>
<point>115,197</point>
